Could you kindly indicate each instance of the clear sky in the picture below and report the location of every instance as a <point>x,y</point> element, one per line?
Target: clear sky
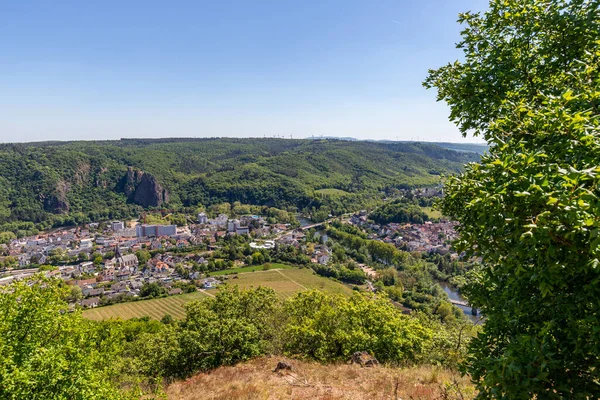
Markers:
<point>110,69</point>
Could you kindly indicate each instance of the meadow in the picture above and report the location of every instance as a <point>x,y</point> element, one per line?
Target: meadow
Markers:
<point>250,268</point>
<point>332,192</point>
<point>286,282</point>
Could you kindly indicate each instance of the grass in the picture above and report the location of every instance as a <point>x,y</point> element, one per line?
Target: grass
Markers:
<point>289,282</point>
<point>286,281</point>
<point>255,379</point>
<point>431,213</point>
<point>332,192</point>
<point>155,308</point>
<point>250,268</point>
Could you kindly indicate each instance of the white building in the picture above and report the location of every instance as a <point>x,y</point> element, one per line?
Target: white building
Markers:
<point>86,244</point>
<point>155,230</point>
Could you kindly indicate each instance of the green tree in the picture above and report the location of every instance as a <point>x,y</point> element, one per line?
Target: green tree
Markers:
<point>235,326</point>
<point>152,290</point>
<point>388,276</point>
<point>47,352</point>
<point>6,237</point>
<point>332,327</point>
<point>530,209</point>
<point>143,256</point>
<point>258,258</point>
<point>167,319</point>
<point>75,294</point>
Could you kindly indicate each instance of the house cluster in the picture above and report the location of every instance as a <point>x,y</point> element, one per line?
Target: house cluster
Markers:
<point>428,192</point>
<point>295,238</point>
<point>321,254</point>
<point>428,237</point>
<point>122,276</point>
<point>81,242</point>
<point>210,229</point>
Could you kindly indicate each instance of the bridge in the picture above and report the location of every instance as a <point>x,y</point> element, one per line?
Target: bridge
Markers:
<point>304,228</point>
<point>459,303</point>
<point>464,304</point>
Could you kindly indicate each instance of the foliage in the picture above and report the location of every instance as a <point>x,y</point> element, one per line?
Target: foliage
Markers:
<point>345,273</point>
<point>47,352</point>
<point>329,327</point>
<point>400,211</point>
<point>53,184</point>
<point>530,86</point>
<point>152,290</point>
<point>234,326</point>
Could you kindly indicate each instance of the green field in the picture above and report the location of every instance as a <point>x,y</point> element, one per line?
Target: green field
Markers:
<point>155,308</point>
<point>332,192</point>
<point>250,268</point>
<point>290,281</point>
<point>431,213</point>
<point>285,282</point>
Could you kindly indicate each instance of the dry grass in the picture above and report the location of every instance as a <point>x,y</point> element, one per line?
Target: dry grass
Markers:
<point>256,380</point>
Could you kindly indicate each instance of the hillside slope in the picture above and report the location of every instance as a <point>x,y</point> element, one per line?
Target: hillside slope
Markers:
<point>56,183</point>
<point>308,380</point>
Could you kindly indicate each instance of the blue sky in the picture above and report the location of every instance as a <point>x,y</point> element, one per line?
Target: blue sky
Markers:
<point>110,69</point>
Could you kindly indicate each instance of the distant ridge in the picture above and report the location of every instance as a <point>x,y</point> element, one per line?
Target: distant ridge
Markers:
<point>50,184</point>
<point>478,148</point>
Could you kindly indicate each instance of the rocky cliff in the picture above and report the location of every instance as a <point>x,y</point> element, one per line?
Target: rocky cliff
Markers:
<point>143,189</point>
<point>56,201</point>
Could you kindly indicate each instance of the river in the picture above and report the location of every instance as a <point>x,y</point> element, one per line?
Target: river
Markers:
<point>454,295</point>
<point>303,221</point>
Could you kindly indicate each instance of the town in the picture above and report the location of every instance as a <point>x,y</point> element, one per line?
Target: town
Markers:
<point>118,261</point>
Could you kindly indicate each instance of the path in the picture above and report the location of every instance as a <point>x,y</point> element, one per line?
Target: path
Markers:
<point>287,277</point>
<point>206,293</point>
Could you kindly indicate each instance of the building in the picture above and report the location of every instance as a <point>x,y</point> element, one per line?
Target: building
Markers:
<point>155,230</point>
<point>90,303</point>
<point>128,261</point>
<point>202,218</point>
<point>232,225</point>
<point>24,260</point>
<point>220,221</point>
<point>117,225</point>
<point>86,244</point>
<point>124,261</point>
<point>242,230</point>
<point>235,226</point>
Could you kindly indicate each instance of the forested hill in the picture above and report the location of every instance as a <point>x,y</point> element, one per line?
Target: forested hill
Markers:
<point>53,183</point>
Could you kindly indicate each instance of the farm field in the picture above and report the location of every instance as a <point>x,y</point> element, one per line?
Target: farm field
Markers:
<point>290,281</point>
<point>250,268</point>
<point>154,308</point>
<point>286,282</point>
